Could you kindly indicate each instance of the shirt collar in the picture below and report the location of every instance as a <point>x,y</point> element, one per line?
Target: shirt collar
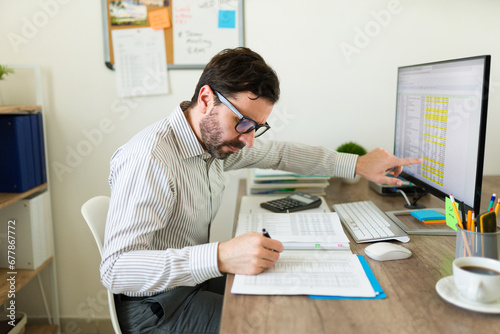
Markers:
<point>189,146</point>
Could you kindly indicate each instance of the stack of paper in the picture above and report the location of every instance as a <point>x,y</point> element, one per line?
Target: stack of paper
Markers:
<point>309,273</point>
<point>268,181</point>
<point>298,230</point>
<point>316,261</point>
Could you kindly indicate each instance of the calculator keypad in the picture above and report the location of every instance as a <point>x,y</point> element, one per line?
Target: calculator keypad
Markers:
<point>284,204</point>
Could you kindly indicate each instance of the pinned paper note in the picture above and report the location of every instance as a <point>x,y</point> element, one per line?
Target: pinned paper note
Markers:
<point>227,19</point>
<point>159,19</point>
<point>451,219</point>
<point>140,62</point>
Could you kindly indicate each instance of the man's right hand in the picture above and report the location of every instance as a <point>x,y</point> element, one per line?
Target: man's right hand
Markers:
<point>248,254</point>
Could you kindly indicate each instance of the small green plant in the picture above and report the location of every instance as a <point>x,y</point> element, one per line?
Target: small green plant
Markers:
<point>351,147</point>
<point>4,71</point>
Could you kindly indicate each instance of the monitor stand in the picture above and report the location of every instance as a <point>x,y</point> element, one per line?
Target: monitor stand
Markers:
<point>419,193</point>
<point>411,225</point>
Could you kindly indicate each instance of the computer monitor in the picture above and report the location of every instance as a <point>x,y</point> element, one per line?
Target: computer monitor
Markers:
<point>441,117</point>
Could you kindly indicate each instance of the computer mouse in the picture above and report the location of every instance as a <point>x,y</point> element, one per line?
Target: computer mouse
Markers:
<point>385,251</point>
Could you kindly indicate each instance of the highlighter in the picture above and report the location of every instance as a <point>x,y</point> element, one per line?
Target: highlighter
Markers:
<point>488,222</point>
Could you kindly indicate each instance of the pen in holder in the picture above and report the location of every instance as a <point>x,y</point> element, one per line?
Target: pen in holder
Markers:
<point>479,244</point>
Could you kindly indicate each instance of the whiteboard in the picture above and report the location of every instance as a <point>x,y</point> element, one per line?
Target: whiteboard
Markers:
<point>199,30</point>
<point>203,28</point>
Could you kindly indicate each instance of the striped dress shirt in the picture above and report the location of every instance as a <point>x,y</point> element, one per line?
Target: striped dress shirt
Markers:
<point>165,192</point>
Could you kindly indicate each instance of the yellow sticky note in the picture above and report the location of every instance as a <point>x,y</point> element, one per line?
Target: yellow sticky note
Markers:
<point>159,19</point>
<point>451,219</point>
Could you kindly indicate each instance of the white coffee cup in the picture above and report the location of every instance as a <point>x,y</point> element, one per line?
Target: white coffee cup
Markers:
<point>477,278</point>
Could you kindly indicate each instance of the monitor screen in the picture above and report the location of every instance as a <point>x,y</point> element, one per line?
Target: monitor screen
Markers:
<point>441,117</point>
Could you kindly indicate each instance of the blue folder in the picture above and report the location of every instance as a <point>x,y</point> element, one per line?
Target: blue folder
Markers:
<point>379,293</point>
<point>38,148</point>
<point>22,153</point>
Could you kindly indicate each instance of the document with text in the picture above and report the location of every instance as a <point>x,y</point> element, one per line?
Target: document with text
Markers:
<point>298,230</point>
<point>324,273</point>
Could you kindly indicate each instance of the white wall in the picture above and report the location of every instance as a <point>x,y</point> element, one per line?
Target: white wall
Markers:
<point>327,96</point>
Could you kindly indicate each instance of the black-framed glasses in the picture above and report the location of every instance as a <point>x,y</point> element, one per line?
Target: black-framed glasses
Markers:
<point>245,124</point>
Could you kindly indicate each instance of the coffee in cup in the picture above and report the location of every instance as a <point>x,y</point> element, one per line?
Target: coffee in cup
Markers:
<point>477,278</point>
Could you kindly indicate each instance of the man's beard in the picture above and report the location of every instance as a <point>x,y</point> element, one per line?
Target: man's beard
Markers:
<point>211,136</point>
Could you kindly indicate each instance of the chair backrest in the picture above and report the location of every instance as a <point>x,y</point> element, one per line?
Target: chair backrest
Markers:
<point>95,211</point>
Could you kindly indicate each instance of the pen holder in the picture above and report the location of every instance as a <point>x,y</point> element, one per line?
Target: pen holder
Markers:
<point>477,244</point>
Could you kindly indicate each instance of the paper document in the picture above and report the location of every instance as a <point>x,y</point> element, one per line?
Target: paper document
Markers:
<point>298,230</point>
<point>140,62</point>
<point>308,273</point>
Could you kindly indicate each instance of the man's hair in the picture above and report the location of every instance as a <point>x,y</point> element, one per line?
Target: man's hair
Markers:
<point>239,70</point>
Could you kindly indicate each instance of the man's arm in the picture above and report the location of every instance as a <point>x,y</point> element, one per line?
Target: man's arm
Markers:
<point>293,157</point>
<point>307,159</point>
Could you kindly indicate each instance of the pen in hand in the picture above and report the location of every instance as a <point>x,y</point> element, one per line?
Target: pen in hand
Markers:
<point>266,234</point>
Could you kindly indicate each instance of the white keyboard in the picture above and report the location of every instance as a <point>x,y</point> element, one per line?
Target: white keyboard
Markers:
<point>367,223</point>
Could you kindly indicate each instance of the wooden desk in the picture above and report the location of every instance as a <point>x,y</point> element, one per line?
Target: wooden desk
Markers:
<point>412,304</point>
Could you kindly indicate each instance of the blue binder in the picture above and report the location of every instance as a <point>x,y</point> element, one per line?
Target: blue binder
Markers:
<point>38,148</point>
<point>18,170</point>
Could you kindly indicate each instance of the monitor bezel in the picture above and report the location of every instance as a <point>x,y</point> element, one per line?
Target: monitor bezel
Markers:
<point>481,141</point>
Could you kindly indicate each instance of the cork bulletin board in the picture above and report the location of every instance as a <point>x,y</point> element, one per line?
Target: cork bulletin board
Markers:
<point>194,30</point>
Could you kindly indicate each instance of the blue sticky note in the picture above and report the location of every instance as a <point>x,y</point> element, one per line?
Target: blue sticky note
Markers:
<point>427,215</point>
<point>227,19</point>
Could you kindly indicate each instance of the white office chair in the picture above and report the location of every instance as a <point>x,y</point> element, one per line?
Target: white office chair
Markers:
<point>95,211</point>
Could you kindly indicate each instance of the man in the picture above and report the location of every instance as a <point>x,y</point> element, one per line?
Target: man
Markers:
<point>167,184</point>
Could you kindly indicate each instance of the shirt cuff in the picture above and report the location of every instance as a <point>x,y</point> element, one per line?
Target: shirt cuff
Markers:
<point>203,259</point>
<point>345,165</point>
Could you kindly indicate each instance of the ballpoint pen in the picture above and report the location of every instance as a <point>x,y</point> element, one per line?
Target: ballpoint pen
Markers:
<point>492,202</point>
<point>266,234</point>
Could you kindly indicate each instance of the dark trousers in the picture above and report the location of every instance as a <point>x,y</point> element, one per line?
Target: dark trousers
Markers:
<point>182,310</point>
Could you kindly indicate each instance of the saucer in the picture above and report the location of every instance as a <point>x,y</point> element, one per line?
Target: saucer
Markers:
<point>447,289</point>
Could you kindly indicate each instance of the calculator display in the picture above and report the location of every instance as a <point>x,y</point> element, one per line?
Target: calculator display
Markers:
<point>302,199</point>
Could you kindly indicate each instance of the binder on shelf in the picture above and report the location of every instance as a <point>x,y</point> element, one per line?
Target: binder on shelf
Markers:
<point>33,231</point>
<point>38,148</point>
<point>22,153</point>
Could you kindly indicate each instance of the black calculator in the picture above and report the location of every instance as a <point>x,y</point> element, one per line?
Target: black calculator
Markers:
<point>296,202</point>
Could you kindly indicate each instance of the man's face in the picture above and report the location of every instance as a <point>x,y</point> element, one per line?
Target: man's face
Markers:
<point>212,136</point>
<point>218,126</point>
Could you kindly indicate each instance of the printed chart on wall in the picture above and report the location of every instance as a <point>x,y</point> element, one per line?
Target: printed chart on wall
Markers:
<point>193,30</point>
